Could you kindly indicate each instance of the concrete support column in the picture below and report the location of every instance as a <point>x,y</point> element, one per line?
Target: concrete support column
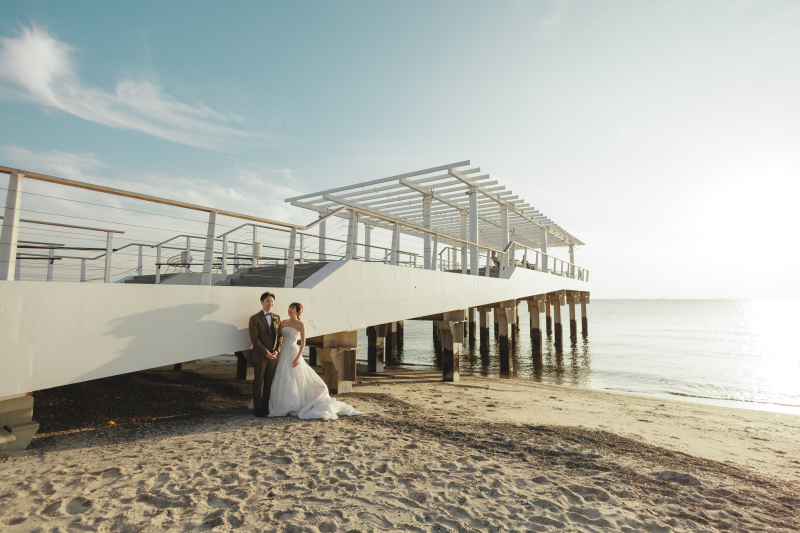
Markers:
<point>505,317</point>
<point>584,316</point>
<point>312,356</point>
<point>321,245</point>
<point>18,269</point>
<point>390,344</point>
<point>399,337</point>
<point>367,243</point>
<point>483,315</point>
<point>256,249</point>
<point>351,233</point>
<point>224,257</point>
<point>450,345</point>
<point>548,315</point>
<point>8,237</point>
<point>543,233</point>
<point>208,256</point>
<point>140,266</point>
<point>463,246</point>
<point>235,257</point>
<point>471,330</point>
<point>557,330</point>
<point>437,344</point>
<point>435,256</point>
<point>535,307</point>
<point>496,322</point>
<point>573,325</point>
<point>109,252</point>
<point>375,337</point>
<point>395,244</point>
<point>572,260</point>
<point>288,281</point>
<point>504,262</point>
<point>474,260</point>
<point>426,223</point>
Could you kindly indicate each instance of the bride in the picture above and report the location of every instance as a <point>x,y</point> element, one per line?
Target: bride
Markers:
<point>297,389</point>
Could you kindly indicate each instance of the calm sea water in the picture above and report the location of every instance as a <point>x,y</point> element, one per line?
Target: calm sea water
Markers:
<point>740,353</point>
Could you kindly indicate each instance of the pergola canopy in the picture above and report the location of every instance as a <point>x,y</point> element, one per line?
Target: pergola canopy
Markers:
<point>404,197</point>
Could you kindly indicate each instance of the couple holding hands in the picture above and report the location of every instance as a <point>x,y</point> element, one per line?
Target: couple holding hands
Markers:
<point>284,384</point>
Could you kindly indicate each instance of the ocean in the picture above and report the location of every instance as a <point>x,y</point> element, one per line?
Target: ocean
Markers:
<point>738,353</point>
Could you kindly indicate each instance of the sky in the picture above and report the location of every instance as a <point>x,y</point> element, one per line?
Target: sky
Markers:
<point>664,135</point>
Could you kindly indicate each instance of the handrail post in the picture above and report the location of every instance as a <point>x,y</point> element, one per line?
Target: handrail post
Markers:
<point>140,269</point>
<point>321,245</point>
<point>208,256</point>
<point>8,237</point>
<point>395,244</point>
<point>367,232</point>
<point>288,282</point>
<point>504,262</point>
<point>18,271</point>
<point>83,270</point>
<point>572,260</point>
<point>255,241</point>
<point>543,233</point>
<point>224,257</point>
<point>463,238</point>
<point>235,257</point>
<point>158,264</point>
<point>474,262</point>
<point>435,249</point>
<point>302,251</point>
<point>109,251</point>
<point>348,254</point>
<point>386,257</point>
<point>525,258</point>
<point>50,261</point>
<point>186,260</point>
<point>426,237</point>
<point>488,268</point>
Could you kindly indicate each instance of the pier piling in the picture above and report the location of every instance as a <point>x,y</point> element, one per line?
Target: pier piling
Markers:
<point>483,314</point>
<point>548,317</point>
<point>471,321</point>
<point>535,307</point>
<point>375,336</point>
<point>506,317</point>
<point>557,329</point>
<point>390,343</point>
<point>584,319</point>
<point>573,325</point>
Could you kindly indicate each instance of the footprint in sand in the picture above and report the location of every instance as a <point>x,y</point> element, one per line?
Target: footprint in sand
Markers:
<point>79,505</point>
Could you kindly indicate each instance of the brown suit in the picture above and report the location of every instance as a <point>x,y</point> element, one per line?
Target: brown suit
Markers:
<point>265,338</point>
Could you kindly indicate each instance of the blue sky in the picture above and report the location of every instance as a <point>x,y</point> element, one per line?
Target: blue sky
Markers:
<point>663,134</point>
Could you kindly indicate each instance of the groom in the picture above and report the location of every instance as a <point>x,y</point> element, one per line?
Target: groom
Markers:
<point>265,333</point>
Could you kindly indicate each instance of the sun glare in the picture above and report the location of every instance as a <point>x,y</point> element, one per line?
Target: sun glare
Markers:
<point>752,217</point>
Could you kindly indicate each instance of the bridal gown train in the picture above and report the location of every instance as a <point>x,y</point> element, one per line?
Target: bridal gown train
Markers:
<point>299,390</point>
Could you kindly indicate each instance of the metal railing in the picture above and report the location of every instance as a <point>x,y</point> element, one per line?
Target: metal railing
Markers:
<point>292,254</point>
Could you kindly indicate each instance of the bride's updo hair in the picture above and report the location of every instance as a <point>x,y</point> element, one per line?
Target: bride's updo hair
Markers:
<point>297,307</point>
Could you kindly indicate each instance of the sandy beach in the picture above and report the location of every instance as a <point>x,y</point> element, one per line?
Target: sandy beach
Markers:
<point>162,451</point>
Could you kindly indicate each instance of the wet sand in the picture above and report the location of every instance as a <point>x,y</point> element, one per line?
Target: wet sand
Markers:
<point>159,451</point>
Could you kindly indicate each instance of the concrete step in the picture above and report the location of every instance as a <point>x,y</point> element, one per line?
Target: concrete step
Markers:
<point>149,279</point>
<point>272,276</point>
<point>6,437</point>
<point>20,435</point>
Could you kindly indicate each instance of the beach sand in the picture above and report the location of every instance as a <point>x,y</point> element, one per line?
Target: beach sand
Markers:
<point>163,451</point>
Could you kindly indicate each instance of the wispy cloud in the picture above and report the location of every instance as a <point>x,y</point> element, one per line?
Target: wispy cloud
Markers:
<point>37,67</point>
<point>258,192</point>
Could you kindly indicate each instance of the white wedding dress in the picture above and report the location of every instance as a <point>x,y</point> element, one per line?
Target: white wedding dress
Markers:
<point>299,390</point>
